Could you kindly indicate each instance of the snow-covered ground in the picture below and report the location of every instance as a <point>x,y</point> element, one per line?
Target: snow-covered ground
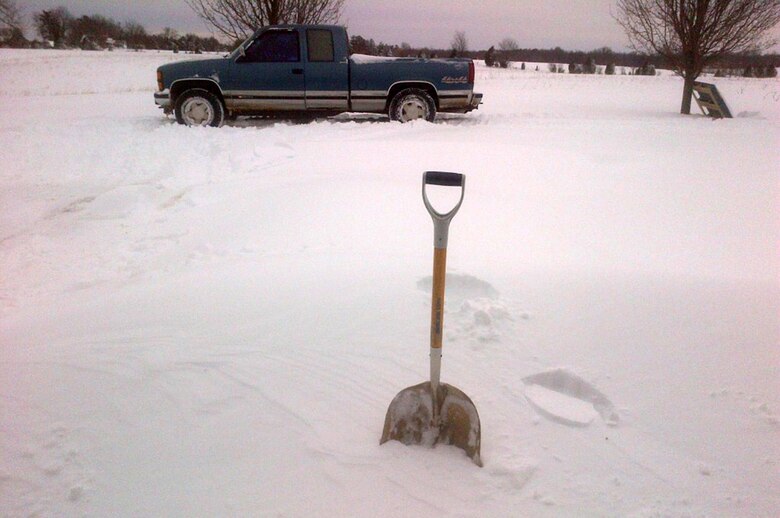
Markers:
<point>212,322</point>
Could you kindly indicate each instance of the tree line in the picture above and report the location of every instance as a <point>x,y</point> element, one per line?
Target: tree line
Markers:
<point>60,29</point>
<point>761,65</point>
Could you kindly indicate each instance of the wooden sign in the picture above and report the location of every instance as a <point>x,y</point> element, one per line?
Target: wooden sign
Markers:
<point>710,101</point>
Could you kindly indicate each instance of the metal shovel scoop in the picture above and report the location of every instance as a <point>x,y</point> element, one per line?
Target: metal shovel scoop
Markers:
<point>432,412</point>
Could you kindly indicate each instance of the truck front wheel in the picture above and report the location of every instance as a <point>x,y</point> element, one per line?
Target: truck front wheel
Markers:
<point>198,107</point>
<point>412,104</point>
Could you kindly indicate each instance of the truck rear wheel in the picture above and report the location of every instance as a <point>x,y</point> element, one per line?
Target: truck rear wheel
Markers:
<point>198,107</point>
<point>412,104</point>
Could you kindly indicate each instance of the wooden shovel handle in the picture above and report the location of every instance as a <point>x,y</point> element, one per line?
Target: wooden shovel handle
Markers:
<point>437,301</point>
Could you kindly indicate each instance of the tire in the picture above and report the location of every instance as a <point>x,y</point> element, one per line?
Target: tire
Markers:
<point>412,104</point>
<point>198,107</point>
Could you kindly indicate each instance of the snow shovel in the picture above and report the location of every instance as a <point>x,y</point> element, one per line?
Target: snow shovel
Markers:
<point>432,412</point>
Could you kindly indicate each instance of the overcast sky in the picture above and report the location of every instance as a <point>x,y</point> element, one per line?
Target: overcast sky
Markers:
<point>571,24</point>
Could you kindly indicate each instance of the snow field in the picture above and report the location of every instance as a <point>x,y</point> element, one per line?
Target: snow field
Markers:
<point>199,322</point>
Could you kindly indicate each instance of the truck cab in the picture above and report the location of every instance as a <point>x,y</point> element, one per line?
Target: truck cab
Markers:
<point>290,69</point>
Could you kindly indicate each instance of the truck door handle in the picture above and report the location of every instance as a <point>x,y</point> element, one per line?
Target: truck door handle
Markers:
<point>297,71</point>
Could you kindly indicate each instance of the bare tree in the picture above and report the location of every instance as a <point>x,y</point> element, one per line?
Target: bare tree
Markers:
<point>459,45</point>
<point>134,33</point>
<point>315,11</point>
<point>54,24</point>
<point>508,45</point>
<point>96,28</point>
<point>10,16</point>
<point>237,19</point>
<point>692,34</point>
<point>169,34</point>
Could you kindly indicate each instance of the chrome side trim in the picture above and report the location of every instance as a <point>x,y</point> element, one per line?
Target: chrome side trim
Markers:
<point>327,99</point>
<point>327,93</point>
<point>286,100</point>
<point>357,94</point>
<point>233,103</point>
<point>458,93</point>
<point>447,104</point>
<point>286,94</point>
<point>332,104</point>
<point>452,100</point>
<point>369,105</point>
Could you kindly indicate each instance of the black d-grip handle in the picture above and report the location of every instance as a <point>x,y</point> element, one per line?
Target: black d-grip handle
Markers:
<point>441,221</point>
<point>445,179</point>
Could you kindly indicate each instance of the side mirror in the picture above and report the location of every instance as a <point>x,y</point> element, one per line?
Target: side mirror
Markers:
<point>241,57</point>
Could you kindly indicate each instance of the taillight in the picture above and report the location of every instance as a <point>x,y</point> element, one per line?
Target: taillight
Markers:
<point>159,81</point>
<point>471,71</point>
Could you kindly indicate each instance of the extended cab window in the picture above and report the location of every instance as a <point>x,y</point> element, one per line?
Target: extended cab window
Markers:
<point>274,47</point>
<point>320,44</point>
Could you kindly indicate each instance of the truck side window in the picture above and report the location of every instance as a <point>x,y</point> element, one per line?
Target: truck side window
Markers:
<point>320,45</point>
<point>274,47</point>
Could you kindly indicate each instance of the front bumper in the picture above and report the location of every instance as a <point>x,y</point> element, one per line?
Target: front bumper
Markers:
<point>163,100</point>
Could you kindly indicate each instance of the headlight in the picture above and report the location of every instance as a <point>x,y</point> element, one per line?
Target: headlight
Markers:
<point>159,81</point>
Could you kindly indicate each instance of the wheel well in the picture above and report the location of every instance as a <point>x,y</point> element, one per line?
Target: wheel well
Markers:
<point>182,86</point>
<point>403,86</point>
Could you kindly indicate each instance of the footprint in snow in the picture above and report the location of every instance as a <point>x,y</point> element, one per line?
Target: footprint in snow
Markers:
<point>73,207</point>
<point>563,397</point>
<point>474,309</point>
<point>461,287</point>
<point>757,408</point>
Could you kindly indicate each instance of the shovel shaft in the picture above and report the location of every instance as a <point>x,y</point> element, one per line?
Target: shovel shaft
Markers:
<point>437,313</point>
<point>437,299</point>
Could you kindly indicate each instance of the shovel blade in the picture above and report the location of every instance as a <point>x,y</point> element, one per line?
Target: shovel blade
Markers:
<point>411,419</point>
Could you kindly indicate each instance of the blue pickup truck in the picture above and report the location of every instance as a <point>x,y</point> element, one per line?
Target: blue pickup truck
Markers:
<point>290,70</point>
